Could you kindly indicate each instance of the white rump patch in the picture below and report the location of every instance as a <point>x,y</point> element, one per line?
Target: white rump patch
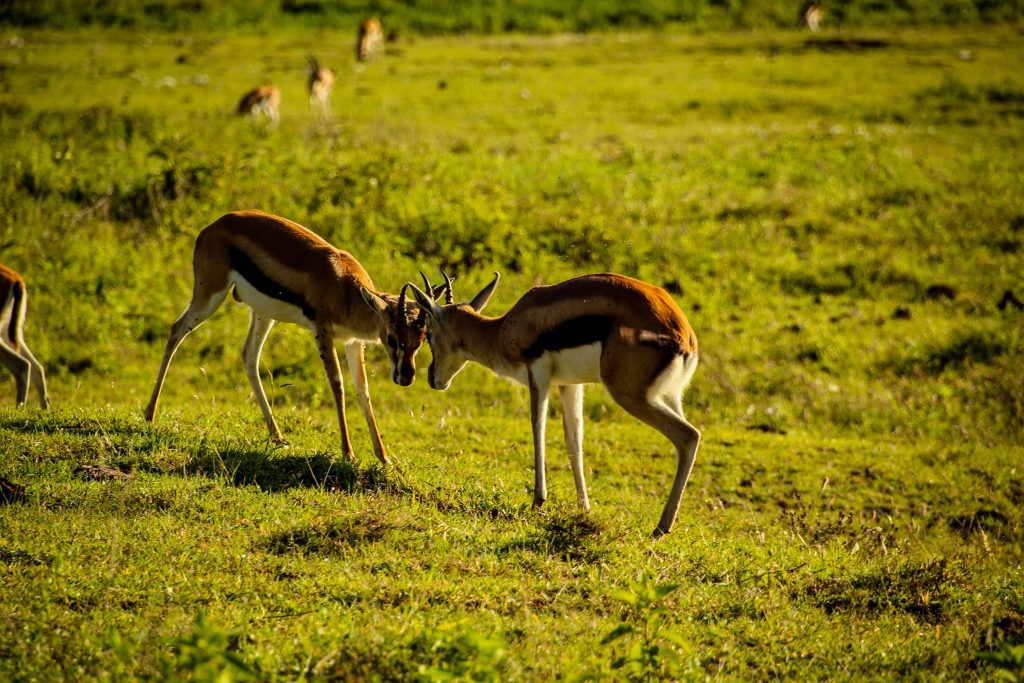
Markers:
<point>672,381</point>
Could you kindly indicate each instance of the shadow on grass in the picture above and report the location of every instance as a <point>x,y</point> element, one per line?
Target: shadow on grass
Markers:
<point>52,422</point>
<point>477,503</point>
<point>927,591</point>
<point>334,537</point>
<point>573,537</point>
<point>271,471</point>
<point>115,447</point>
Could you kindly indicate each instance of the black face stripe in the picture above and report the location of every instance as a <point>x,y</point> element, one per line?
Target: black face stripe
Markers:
<point>264,284</point>
<point>581,331</point>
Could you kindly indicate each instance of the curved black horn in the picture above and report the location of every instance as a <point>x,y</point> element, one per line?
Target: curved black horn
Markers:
<point>429,288</point>
<point>449,296</point>
<point>401,303</point>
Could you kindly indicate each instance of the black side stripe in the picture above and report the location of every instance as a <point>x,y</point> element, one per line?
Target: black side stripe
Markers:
<point>581,331</point>
<point>264,284</point>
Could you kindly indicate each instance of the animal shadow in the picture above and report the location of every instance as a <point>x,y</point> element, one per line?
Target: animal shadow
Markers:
<point>271,471</point>
<point>573,537</point>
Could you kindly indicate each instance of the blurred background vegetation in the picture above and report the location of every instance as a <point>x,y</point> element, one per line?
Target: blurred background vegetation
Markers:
<point>496,16</point>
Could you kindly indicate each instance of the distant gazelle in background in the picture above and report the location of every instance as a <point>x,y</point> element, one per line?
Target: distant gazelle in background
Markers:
<point>14,353</point>
<point>264,100</point>
<point>371,37</point>
<point>813,15</point>
<point>624,333</point>
<point>286,273</point>
<point>321,80</point>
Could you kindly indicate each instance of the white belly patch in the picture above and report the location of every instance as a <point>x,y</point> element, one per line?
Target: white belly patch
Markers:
<point>578,365</point>
<point>265,306</point>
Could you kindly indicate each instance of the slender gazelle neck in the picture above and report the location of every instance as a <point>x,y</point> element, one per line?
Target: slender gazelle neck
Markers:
<point>477,335</point>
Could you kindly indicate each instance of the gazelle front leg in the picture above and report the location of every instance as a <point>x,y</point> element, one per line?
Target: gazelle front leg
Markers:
<point>259,328</point>
<point>329,357</point>
<point>357,368</point>
<point>572,423</point>
<point>540,386</point>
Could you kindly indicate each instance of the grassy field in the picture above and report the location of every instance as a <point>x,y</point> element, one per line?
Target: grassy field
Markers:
<point>431,17</point>
<point>838,216</point>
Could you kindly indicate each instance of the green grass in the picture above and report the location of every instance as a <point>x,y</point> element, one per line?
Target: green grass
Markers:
<point>479,16</point>
<point>855,510</point>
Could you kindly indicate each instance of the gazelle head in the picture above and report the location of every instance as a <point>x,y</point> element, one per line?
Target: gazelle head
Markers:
<point>402,326</point>
<point>447,328</point>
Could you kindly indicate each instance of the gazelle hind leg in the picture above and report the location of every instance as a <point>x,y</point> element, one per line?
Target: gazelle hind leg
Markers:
<point>572,424</point>
<point>357,367</point>
<point>686,455</point>
<point>38,376</point>
<point>259,328</point>
<point>195,315</point>
<point>540,387</point>
<point>19,367</point>
<point>683,436</point>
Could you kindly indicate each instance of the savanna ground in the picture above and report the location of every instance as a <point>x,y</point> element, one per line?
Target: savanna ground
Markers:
<point>839,216</point>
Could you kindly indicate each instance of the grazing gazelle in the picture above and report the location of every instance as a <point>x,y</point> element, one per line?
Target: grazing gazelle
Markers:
<point>371,35</point>
<point>321,80</point>
<point>813,14</point>
<point>264,100</point>
<point>14,353</point>
<point>285,272</point>
<point>627,334</point>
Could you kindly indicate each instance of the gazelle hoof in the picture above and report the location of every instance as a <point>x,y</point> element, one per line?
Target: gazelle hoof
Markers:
<point>658,533</point>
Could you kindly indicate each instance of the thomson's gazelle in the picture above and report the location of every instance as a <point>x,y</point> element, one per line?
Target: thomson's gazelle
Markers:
<point>371,35</point>
<point>605,328</point>
<point>287,273</point>
<point>321,80</point>
<point>14,353</point>
<point>264,100</point>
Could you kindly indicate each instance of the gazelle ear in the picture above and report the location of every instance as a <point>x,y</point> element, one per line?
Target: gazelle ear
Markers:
<point>481,299</point>
<point>378,304</point>
<point>426,302</point>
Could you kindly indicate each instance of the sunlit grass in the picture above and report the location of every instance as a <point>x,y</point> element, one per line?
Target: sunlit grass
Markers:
<point>838,220</point>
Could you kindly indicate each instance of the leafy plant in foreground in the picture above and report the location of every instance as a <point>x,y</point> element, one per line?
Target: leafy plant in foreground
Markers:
<point>206,653</point>
<point>654,649</point>
<point>1007,660</point>
<point>461,655</point>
